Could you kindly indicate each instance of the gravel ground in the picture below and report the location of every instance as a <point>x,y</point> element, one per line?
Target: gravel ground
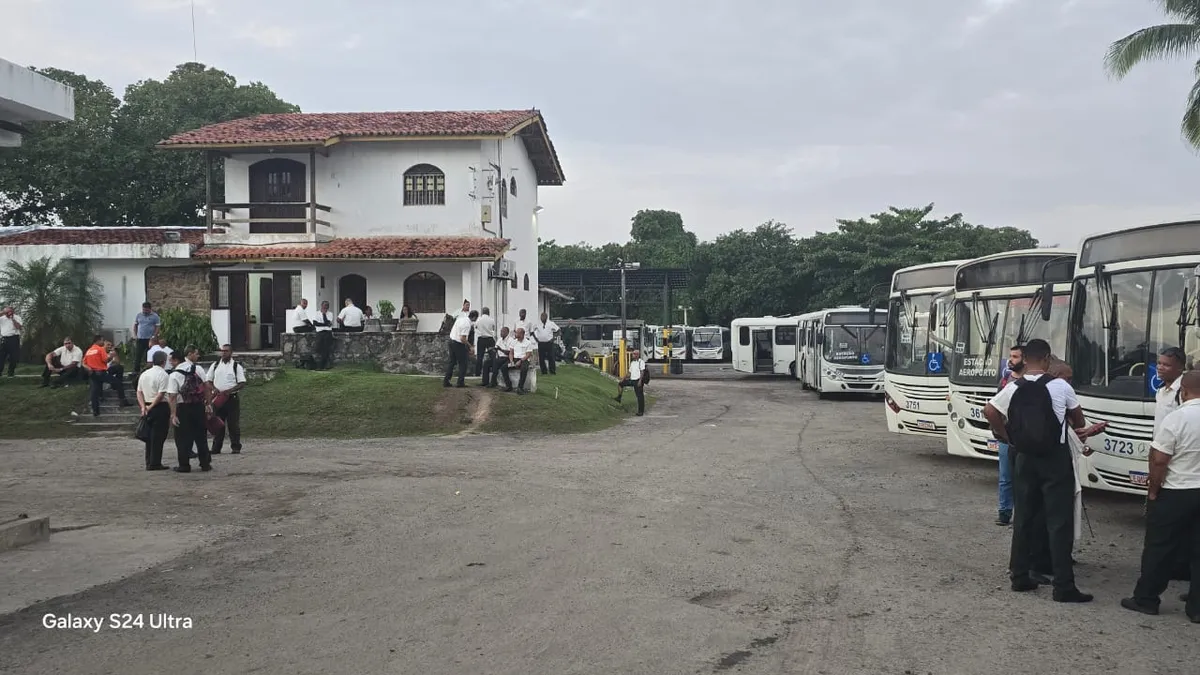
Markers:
<point>742,526</point>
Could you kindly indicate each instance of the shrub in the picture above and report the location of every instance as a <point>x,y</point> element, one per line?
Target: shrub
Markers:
<point>55,299</point>
<point>181,328</point>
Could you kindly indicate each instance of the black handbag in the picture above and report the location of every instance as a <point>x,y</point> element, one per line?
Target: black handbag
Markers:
<point>143,430</point>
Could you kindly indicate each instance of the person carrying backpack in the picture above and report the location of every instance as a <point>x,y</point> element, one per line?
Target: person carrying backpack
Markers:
<point>1031,414</point>
<point>189,396</point>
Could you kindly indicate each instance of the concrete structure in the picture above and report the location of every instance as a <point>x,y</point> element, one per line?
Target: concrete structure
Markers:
<point>26,96</point>
<point>23,531</point>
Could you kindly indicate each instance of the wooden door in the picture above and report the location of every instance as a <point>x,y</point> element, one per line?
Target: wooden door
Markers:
<point>239,311</point>
<point>266,312</point>
<point>352,286</point>
<point>278,180</point>
<point>282,300</point>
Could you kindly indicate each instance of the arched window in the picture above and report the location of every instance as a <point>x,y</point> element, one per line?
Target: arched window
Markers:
<point>526,282</point>
<point>354,287</point>
<point>424,185</point>
<point>514,279</point>
<point>425,292</point>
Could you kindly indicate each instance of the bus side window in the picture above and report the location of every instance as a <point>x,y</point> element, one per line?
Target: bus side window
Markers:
<point>785,335</point>
<point>744,336</point>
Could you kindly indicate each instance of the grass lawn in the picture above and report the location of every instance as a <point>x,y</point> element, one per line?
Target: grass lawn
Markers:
<point>28,411</point>
<point>584,403</point>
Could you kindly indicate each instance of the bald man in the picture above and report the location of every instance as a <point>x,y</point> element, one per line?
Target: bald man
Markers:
<point>1173,504</point>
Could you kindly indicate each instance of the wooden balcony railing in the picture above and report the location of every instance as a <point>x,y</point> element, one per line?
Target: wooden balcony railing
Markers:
<point>269,217</point>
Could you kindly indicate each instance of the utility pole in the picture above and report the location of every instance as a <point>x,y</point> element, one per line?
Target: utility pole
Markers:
<point>622,355</point>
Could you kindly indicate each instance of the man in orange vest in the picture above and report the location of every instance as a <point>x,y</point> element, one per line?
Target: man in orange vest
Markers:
<point>95,364</point>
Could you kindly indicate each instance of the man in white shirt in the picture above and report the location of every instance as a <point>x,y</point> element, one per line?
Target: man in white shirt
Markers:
<point>1031,414</point>
<point>460,350</point>
<point>499,364</point>
<point>466,308</point>
<point>521,350</point>
<point>1173,504</point>
<point>543,334</point>
<point>152,401</point>
<point>64,361</point>
<point>323,322</point>
<point>485,339</point>
<point>300,321</point>
<point>227,379</point>
<point>10,340</point>
<point>191,403</point>
<point>1169,367</point>
<point>524,323</point>
<point>635,379</point>
<point>350,318</point>
<point>158,345</point>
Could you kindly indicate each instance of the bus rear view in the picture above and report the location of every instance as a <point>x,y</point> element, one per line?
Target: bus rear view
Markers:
<point>919,344</point>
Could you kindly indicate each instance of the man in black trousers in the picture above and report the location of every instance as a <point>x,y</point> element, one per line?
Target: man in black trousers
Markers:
<point>1037,409</point>
<point>152,400</point>
<point>459,348</point>
<point>1172,504</point>
<point>190,401</point>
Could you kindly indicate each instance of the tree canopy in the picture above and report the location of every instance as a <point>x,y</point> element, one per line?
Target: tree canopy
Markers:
<point>102,168</point>
<point>768,270</point>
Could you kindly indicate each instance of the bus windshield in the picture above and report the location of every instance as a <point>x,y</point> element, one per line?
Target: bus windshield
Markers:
<point>855,345</point>
<point>1121,321</point>
<point>908,334</point>
<point>706,338</point>
<point>985,329</point>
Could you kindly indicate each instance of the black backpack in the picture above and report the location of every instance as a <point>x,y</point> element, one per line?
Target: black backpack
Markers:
<point>1032,426</point>
<point>645,374</point>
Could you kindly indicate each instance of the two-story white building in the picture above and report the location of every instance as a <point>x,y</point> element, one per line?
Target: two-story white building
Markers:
<point>423,209</point>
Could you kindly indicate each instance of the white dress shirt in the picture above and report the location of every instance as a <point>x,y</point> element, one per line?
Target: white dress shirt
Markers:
<point>175,381</point>
<point>636,366</point>
<point>67,357</point>
<point>1166,401</point>
<point>153,382</point>
<point>156,349</point>
<point>8,327</point>
<point>226,376</point>
<point>352,316</point>
<point>461,328</point>
<point>544,332</point>
<point>526,324</point>
<point>325,319</point>
<point>299,317</point>
<point>504,345</point>
<point>1179,437</point>
<point>485,326</point>
<point>521,348</point>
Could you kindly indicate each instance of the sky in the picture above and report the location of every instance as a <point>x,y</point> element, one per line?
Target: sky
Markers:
<point>729,112</point>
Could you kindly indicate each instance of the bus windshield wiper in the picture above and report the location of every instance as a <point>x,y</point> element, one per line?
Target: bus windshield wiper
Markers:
<point>1026,325</point>
<point>1185,317</point>
<point>991,338</point>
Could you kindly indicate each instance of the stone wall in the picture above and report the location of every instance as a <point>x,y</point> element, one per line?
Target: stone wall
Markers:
<point>405,353</point>
<point>186,287</point>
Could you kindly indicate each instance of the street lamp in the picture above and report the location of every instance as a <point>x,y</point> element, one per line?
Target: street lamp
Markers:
<point>685,310</point>
<point>622,357</point>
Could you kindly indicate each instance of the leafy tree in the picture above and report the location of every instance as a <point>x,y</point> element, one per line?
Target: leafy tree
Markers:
<point>55,299</point>
<point>1165,41</point>
<point>102,168</point>
<point>657,239</point>
<point>747,274</point>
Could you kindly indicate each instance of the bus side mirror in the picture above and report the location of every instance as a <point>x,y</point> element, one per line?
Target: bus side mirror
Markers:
<point>1047,298</point>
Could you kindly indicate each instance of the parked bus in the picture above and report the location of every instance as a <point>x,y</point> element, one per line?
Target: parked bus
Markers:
<point>841,350</point>
<point>710,343</point>
<point>919,344</point>
<point>997,305</point>
<point>764,345</point>
<point>596,335</point>
<point>1134,294</point>
<point>654,340</point>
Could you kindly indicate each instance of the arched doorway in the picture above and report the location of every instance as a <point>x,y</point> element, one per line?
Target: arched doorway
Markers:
<point>354,287</point>
<point>273,181</point>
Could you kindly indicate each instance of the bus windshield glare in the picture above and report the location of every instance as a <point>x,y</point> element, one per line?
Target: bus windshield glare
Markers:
<point>855,345</point>
<point>706,338</point>
<point>1121,321</point>
<point>908,334</point>
<point>985,329</point>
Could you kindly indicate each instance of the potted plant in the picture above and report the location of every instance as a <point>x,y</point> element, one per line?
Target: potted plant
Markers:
<point>386,310</point>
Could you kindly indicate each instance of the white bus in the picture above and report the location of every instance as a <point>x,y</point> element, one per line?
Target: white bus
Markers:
<point>1134,294</point>
<point>917,358</point>
<point>841,350</point>
<point>710,343</point>
<point>997,305</point>
<point>764,345</point>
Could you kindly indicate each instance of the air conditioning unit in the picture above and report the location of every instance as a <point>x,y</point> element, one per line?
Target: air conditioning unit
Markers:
<point>503,269</point>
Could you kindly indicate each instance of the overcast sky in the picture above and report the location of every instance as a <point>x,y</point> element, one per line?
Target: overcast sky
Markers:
<point>730,112</point>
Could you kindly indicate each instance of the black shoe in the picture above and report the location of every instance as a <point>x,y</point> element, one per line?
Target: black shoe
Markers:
<point>509,389</point>
<point>446,383</point>
<point>1072,595</point>
<point>1004,518</point>
<point>617,399</point>
<point>640,414</point>
<point>236,452</point>
<point>211,452</point>
<point>1024,585</point>
<point>181,469</point>
<point>44,386</point>
<point>160,467</point>
<point>206,467</point>
<point>1041,579</point>
<point>460,385</point>
<point>520,392</point>
<point>1194,618</point>
<point>1134,605</point>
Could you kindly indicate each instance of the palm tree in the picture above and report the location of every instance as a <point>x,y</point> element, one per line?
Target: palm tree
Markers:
<point>1165,41</point>
<point>55,299</point>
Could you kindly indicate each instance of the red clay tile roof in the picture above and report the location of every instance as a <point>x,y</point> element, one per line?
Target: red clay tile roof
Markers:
<point>321,127</point>
<point>368,248</point>
<point>50,236</point>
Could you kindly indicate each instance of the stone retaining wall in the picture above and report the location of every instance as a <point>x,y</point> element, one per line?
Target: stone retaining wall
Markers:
<point>405,353</point>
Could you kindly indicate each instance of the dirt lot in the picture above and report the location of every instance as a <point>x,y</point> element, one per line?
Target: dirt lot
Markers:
<point>742,526</point>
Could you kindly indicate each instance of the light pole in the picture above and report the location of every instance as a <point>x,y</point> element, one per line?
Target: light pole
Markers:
<point>622,356</point>
<point>685,311</point>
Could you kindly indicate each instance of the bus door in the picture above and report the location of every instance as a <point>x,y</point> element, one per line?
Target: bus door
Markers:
<point>764,351</point>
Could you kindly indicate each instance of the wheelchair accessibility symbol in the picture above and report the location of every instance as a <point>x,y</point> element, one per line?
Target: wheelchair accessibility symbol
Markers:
<point>933,362</point>
<point>865,359</point>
